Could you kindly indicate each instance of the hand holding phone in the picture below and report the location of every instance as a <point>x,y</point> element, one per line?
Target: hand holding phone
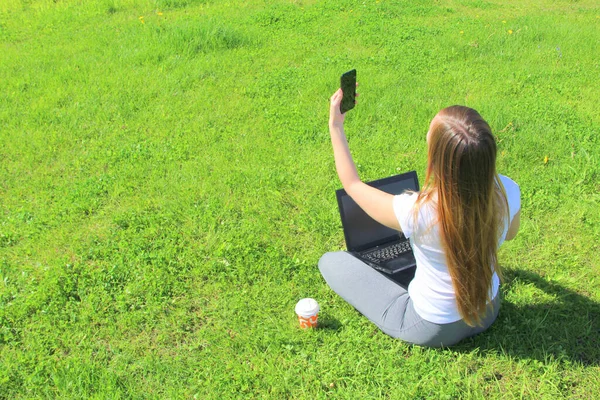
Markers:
<point>348,85</point>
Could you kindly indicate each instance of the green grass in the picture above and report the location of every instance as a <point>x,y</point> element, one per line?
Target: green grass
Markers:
<point>166,190</point>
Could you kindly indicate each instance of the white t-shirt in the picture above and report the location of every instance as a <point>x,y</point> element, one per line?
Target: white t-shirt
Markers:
<point>431,289</point>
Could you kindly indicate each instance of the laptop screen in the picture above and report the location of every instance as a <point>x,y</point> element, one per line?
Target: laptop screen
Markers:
<point>363,232</point>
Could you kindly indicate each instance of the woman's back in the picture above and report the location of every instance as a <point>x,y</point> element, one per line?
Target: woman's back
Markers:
<point>432,288</point>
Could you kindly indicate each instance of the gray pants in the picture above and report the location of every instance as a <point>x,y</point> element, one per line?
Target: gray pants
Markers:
<point>389,306</point>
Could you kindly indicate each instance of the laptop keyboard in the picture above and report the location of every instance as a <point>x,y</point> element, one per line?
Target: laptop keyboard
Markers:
<point>388,253</point>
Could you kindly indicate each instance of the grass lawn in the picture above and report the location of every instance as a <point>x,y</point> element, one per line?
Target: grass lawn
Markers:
<point>167,188</point>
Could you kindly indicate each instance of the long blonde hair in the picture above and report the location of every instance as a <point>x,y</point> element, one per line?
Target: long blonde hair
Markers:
<point>471,203</point>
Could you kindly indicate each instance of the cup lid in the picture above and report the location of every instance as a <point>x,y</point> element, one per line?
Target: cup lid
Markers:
<point>307,307</point>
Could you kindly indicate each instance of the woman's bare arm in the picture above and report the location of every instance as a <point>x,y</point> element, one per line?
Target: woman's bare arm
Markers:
<point>376,203</point>
<point>513,229</point>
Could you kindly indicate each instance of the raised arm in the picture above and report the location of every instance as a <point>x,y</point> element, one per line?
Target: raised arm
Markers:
<point>376,203</point>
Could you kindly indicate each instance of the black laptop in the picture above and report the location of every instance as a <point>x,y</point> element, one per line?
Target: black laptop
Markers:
<point>383,248</point>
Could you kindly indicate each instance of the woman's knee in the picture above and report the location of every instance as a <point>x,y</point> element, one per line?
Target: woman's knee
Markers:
<point>328,262</point>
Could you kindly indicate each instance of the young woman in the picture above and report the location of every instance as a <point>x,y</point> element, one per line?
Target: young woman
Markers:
<point>455,224</point>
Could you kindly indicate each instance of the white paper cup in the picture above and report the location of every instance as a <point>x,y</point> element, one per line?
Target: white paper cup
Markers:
<point>308,313</point>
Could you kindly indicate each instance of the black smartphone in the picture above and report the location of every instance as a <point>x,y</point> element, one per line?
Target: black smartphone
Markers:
<point>348,85</point>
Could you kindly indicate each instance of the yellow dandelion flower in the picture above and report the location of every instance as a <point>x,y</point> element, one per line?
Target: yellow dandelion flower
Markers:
<point>159,13</point>
<point>546,159</point>
<point>510,32</point>
<point>461,32</point>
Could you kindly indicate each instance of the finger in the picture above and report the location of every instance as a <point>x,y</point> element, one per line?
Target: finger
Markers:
<point>336,98</point>
<point>337,93</point>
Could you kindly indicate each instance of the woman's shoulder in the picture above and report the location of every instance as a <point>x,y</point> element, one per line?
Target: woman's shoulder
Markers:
<point>404,208</point>
<point>511,187</point>
<point>513,193</point>
<point>508,182</point>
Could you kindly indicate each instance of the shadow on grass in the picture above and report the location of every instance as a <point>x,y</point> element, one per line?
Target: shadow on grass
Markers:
<point>329,324</point>
<point>567,328</point>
